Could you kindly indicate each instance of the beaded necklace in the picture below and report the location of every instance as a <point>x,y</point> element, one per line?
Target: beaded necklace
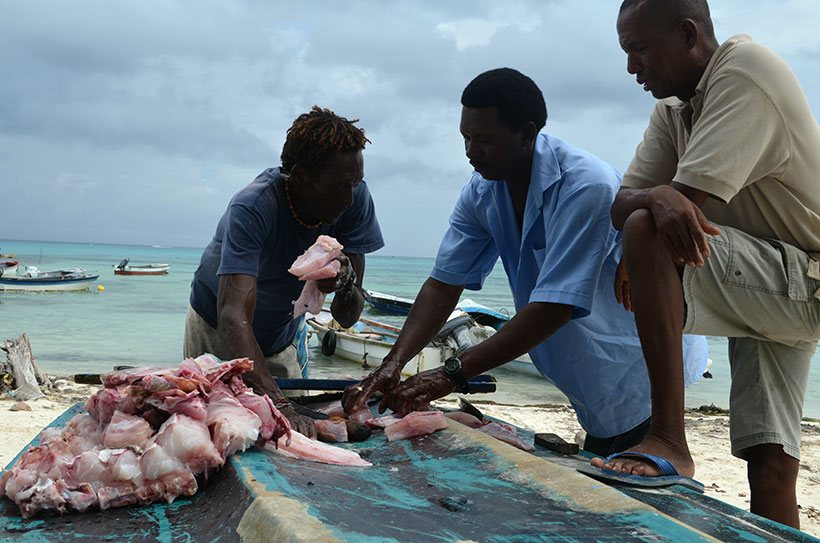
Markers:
<point>293,209</point>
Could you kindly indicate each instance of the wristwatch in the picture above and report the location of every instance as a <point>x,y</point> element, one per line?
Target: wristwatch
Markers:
<point>455,372</point>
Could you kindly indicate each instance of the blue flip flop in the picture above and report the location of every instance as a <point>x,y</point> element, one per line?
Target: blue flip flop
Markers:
<point>670,474</point>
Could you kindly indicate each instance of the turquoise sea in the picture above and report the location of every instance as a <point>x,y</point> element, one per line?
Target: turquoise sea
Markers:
<point>140,320</point>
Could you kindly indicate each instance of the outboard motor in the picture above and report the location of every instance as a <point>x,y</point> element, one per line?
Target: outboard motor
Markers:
<point>122,264</point>
<point>464,332</point>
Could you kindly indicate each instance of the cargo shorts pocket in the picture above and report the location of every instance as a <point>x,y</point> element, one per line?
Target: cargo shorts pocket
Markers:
<point>767,265</point>
<point>814,273</point>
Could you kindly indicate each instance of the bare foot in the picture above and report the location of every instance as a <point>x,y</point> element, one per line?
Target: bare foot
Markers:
<point>675,452</point>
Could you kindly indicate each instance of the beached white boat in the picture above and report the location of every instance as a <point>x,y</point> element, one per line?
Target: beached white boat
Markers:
<point>368,342</point>
<point>156,268</point>
<point>59,280</point>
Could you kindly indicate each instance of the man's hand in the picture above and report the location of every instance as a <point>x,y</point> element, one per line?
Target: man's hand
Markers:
<point>682,225</point>
<point>419,390</point>
<point>334,284</point>
<point>382,379</point>
<point>300,423</point>
<point>263,383</point>
<point>622,292</point>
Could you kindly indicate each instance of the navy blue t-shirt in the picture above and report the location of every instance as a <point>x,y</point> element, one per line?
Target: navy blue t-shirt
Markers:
<point>258,236</point>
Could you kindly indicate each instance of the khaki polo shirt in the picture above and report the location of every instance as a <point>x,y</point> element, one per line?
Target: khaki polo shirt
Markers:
<point>748,138</point>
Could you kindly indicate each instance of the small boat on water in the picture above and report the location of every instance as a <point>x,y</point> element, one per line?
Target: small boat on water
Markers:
<point>156,268</point>
<point>387,303</point>
<point>37,281</point>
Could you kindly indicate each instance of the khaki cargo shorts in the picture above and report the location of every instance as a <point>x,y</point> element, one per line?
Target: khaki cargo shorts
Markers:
<point>201,337</point>
<point>764,295</point>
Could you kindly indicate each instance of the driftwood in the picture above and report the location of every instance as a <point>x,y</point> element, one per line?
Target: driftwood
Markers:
<point>27,374</point>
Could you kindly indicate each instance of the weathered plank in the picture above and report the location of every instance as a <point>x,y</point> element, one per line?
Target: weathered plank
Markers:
<point>455,485</point>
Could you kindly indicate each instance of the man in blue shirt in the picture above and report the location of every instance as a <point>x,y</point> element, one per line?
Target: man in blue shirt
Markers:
<point>542,206</point>
<point>242,294</point>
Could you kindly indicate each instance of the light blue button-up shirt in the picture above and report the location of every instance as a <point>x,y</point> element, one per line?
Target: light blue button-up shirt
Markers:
<point>567,253</point>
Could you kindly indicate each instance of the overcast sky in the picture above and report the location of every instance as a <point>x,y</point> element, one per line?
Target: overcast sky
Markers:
<point>135,122</point>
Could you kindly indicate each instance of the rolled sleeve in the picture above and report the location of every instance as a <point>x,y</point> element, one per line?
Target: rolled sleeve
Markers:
<point>655,158</point>
<point>579,238</point>
<point>467,253</point>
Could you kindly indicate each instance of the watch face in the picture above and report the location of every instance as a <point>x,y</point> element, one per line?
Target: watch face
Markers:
<point>452,365</point>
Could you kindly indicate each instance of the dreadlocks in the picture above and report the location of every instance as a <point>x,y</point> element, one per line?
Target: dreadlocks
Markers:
<point>315,135</point>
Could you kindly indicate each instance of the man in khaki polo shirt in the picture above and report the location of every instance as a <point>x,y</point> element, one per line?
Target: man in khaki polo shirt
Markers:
<point>720,210</point>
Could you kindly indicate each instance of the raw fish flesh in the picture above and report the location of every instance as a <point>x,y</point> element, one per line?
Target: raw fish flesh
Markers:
<point>316,257</point>
<point>506,434</point>
<point>309,449</point>
<point>329,270</point>
<point>310,300</point>
<point>383,422</point>
<point>318,262</point>
<point>464,418</point>
<point>416,423</point>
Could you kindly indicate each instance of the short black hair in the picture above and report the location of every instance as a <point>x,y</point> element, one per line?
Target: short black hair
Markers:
<point>516,97</point>
<point>676,11</point>
<point>315,135</point>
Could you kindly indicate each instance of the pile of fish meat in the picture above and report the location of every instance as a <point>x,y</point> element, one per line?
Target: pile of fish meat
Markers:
<point>149,433</point>
<point>318,262</point>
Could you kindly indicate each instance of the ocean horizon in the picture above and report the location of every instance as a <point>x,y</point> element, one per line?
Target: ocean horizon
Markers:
<point>140,321</point>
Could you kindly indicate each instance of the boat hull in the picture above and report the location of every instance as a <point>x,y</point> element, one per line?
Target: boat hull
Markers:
<point>369,352</point>
<point>148,269</point>
<point>141,272</point>
<point>46,285</point>
<point>391,305</point>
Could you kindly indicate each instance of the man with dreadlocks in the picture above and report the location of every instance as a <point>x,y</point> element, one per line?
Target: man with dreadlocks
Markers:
<point>242,295</point>
<point>732,139</point>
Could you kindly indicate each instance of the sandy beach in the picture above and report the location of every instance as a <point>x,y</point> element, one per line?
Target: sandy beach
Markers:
<point>723,474</point>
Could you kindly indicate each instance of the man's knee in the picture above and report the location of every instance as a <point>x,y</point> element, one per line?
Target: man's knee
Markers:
<point>770,469</point>
<point>639,226</point>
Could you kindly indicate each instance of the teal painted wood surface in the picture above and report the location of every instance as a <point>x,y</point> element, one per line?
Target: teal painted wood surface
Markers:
<point>442,487</point>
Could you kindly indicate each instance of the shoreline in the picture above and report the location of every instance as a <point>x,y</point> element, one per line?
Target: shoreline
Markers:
<point>708,433</point>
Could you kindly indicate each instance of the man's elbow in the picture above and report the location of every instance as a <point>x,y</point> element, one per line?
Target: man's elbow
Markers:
<point>230,322</point>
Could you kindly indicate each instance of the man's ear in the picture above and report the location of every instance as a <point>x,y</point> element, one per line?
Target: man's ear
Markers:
<point>691,33</point>
<point>528,134</point>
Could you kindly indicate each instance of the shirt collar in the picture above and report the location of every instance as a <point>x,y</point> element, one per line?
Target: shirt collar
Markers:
<point>697,100</point>
<point>545,168</point>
